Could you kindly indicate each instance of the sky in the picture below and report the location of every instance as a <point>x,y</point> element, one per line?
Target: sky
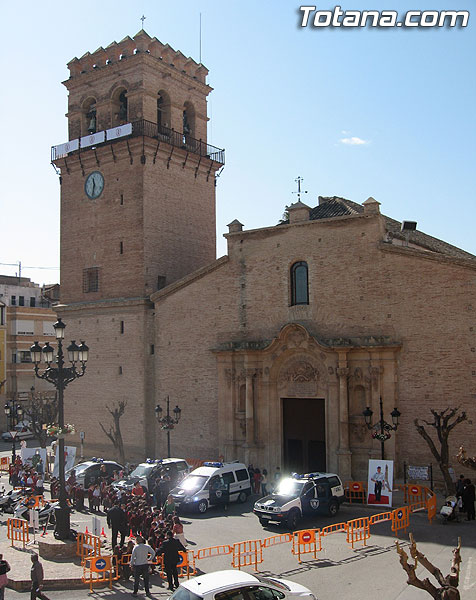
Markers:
<point>381,112</point>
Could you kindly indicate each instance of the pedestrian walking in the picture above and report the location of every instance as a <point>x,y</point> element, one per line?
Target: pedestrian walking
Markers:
<point>468,499</point>
<point>37,577</point>
<point>264,483</point>
<point>4,568</point>
<point>117,521</point>
<point>170,550</point>
<point>141,557</point>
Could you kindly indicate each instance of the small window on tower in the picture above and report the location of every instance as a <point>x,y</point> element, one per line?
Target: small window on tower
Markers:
<point>121,248</point>
<point>161,282</point>
<point>122,326</point>
<point>91,280</point>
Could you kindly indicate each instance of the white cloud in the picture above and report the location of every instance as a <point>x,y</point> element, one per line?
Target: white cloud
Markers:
<point>353,141</point>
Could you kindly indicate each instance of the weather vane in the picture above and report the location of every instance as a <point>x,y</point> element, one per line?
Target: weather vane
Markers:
<point>143,19</point>
<point>299,191</point>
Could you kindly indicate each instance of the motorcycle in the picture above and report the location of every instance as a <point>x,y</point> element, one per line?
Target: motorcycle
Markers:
<point>9,500</point>
<point>46,512</point>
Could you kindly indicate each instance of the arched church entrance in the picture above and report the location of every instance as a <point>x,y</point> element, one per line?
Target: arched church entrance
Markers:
<point>304,434</point>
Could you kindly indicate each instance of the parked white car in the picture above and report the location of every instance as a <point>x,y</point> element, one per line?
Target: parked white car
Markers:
<point>238,585</point>
<point>23,433</point>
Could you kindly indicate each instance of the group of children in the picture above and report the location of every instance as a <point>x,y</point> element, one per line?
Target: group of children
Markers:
<point>27,476</point>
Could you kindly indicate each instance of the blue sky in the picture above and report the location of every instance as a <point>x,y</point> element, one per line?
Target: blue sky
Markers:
<point>284,99</point>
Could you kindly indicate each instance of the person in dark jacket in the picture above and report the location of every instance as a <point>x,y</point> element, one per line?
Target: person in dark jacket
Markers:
<point>37,579</point>
<point>468,496</point>
<point>117,521</point>
<point>170,550</point>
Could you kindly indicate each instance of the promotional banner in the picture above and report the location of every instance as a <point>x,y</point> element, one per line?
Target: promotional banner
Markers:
<point>380,482</point>
<point>69,458</point>
<point>34,457</point>
<point>93,138</point>
<point>63,149</point>
<point>119,131</point>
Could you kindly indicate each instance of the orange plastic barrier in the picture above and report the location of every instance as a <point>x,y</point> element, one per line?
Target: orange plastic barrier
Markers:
<point>356,491</point>
<point>358,530</point>
<point>87,545</point>
<point>381,517</point>
<point>35,502</point>
<point>431,505</point>
<point>99,569</point>
<point>213,551</point>
<point>186,566</point>
<point>274,540</point>
<point>335,528</point>
<point>17,531</point>
<point>5,463</point>
<point>400,519</point>
<point>306,541</point>
<point>413,493</point>
<point>246,554</point>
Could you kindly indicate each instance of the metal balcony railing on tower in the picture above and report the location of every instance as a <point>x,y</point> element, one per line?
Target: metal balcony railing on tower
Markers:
<point>141,127</point>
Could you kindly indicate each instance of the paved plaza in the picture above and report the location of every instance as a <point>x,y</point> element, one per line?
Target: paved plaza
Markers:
<point>372,571</point>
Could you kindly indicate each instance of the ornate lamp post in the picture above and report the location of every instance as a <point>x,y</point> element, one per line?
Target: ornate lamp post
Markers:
<point>168,422</point>
<point>14,413</point>
<point>60,376</point>
<point>381,430</point>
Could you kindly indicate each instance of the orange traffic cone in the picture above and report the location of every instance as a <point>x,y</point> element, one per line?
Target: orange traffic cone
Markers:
<point>131,535</point>
<point>86,530</point>
<point>102,533</point>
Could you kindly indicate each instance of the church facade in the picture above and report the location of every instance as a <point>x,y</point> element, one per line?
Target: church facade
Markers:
<point>272,351</point>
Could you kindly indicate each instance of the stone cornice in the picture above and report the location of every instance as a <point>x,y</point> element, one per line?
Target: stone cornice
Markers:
<point>103,304</point>
<point>427,255</point>
<point>276,229</point>
<point>195,276</point>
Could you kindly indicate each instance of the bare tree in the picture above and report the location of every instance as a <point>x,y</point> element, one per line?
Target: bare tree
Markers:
<point>42,410</point>
<point>448,589</point>
<point>114,433</point>
<point>443,425</point>
<point>464,460</point>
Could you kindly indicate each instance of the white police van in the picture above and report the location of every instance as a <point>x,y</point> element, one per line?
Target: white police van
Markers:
<point>212,483</point>
<point>301,495</point>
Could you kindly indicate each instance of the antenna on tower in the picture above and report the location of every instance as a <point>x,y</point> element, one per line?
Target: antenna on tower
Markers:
<point>200,39</point>
<point>299,191</point>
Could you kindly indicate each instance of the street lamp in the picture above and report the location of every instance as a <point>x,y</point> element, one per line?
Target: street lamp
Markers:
<point>60,376</point>
<point>14,413</point>
<point>381,429</point>
<point>168,422</point>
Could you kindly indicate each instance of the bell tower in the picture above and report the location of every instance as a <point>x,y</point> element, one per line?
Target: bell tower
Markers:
<point>137,213</point>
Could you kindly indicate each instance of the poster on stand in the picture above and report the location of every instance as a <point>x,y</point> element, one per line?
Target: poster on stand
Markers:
<point>380,482</point>
<point>69,458</point>
<point>34,457</point>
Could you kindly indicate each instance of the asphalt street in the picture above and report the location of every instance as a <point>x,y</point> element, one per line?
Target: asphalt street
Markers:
<point>338,571</point>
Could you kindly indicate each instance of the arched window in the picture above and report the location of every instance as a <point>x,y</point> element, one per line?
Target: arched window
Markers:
<point>188,120</point>
<point>119,111</point>
<point>299,284</point>
<point>163,111</point>
<point>89,124</point>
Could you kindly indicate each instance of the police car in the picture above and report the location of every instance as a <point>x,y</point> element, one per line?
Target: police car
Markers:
<point>147,472</point>
<point>301,495</point>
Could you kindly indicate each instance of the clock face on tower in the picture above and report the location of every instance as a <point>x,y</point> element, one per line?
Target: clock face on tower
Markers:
<point>94,185</point>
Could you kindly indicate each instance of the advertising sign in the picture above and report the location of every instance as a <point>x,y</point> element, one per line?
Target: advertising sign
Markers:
<point>34,457</point>
<point>69,457</point>
<point>380,482</point>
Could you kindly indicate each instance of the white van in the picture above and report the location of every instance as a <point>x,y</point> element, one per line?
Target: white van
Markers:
<point>213,483</point>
